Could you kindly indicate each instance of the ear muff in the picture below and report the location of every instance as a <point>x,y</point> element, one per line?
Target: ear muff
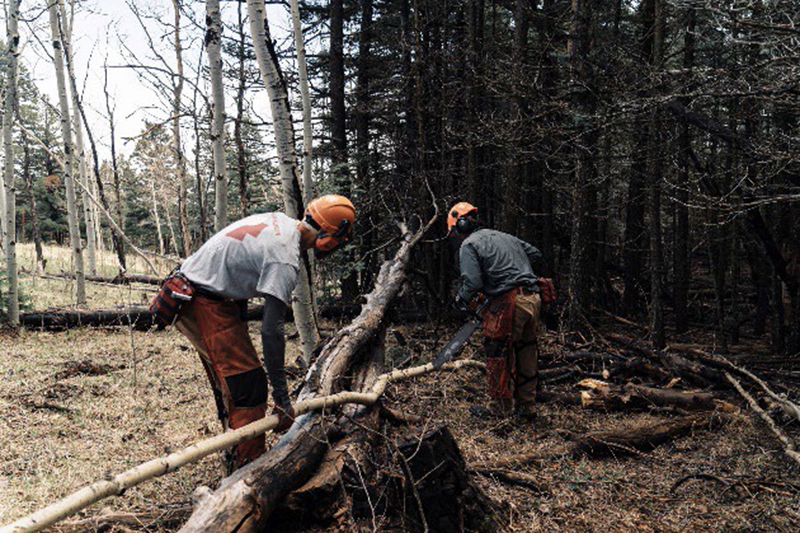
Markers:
<point>464,225</point>
<point>327,242</point>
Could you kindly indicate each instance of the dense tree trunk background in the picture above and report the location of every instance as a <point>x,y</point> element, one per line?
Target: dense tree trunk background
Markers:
<point>646,148</point>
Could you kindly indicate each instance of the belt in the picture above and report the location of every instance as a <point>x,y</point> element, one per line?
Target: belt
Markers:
<point>199,291</point>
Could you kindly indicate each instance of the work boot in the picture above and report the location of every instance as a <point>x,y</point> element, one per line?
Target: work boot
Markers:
<point>526,411</point>
<point>500,408</point>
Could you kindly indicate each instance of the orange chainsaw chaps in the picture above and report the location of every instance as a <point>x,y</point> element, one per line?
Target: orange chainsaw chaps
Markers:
<point>498,323</point>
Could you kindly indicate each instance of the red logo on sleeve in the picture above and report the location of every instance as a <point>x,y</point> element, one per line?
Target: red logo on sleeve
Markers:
<point>242,231</point>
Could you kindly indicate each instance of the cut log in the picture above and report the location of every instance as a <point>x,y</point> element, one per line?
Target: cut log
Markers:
<point>607,396</point>
<point>641,439</point>
<point>558,397</point>
<point>246,499</point>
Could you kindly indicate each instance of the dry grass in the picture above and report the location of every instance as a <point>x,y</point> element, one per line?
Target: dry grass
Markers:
<point>41,293</point>
<point>59,432</point>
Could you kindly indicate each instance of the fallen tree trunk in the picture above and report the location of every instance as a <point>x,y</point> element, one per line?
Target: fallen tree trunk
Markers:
<point>692,371</point>
<point>58,320</point>
<point>122,279</point>
<point>346,463</point>
<point>641,439</point>
<point>607,396</point>
<point>246,499</point>
<point>139,316</point>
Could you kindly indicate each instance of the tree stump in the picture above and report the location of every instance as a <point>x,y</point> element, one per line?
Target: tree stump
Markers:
<point>436,477</point>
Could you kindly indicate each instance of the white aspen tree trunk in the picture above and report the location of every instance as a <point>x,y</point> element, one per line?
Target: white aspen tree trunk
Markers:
<point>88,214</point>
<point>98,226</point>
<point>80,150</point>
<point>66,133</point>
<point>171,229</point>
<point>9,187</point>
<point>213,38</point>
<point>308,185</point>
<point>180,163</point>
<point>287,158</point>
<point>158,219</point>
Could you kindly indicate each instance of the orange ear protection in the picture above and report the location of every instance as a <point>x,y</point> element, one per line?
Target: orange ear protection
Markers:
<point>328,242</point>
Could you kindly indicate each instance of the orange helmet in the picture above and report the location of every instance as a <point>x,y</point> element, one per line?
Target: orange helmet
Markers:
<point>333,216</point>
<point>457,211</point>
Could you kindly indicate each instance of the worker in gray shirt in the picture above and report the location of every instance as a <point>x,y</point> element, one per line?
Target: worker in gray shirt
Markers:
<point>499,267</point>
<point>258,256</point>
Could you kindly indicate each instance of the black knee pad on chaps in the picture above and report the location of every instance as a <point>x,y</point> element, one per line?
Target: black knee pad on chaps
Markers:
<point>248,389</point>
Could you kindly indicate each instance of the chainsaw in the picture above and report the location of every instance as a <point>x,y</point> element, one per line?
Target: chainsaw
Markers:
<point>456,344</point>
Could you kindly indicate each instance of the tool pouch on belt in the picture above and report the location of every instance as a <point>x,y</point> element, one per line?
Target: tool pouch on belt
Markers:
<point>549,311</point>
<point>547,290</point>
<point>497,326</point>
<point>175,290</point>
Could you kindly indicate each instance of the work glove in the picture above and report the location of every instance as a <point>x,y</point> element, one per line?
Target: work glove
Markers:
<point>460,308</point>
<point>285,417</point>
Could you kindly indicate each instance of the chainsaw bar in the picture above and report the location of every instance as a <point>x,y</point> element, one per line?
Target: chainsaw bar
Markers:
<point>457,343</point>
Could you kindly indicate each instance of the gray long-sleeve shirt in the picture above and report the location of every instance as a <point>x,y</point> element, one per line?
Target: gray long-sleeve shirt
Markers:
<point>493,262</point>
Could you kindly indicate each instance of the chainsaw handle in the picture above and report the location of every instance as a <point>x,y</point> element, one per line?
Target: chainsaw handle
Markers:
<point>478,311</point>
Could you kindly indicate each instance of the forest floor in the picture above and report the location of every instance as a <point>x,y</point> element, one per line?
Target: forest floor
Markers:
<point>79,405</point>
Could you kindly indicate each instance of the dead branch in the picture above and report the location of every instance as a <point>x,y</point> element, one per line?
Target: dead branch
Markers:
<point>789,447</point>
<point>511,477</point>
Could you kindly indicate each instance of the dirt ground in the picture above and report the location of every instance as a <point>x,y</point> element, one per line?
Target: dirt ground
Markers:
<point>80,405</point>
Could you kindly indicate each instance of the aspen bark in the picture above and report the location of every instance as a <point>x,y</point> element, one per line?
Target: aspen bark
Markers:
<point>213,39</point>
<point>10,111</point>
<point>308,186</point>
<point>284,142</point>
<point>79,154</point>
<point>180,162</point>
<point>237,128</point>
<point>115,168</point>
<point>66,133</point>
<point>157,218</point>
